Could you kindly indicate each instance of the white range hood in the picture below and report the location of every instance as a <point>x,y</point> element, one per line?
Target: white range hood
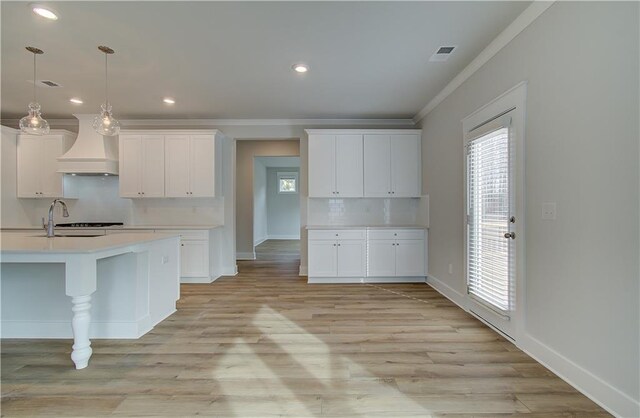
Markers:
<point>92,153</point>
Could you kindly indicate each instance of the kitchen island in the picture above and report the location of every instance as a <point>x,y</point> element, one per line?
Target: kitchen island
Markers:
<point>132,281</point>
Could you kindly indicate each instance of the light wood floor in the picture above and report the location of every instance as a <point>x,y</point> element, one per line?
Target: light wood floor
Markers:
<point>265,343</point>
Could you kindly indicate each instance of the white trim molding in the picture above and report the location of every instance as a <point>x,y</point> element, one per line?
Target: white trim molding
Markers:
<point>246,256</point>
<point>528,16</point>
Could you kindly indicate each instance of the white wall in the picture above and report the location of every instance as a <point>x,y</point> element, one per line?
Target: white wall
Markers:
<point>260,216</point>
<point>581,150</point>
<point>283,210</point>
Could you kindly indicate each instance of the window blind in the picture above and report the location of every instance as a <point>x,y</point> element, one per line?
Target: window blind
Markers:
<point>488,211</point>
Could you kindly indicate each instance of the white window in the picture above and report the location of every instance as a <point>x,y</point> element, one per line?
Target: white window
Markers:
<point>287,182</point>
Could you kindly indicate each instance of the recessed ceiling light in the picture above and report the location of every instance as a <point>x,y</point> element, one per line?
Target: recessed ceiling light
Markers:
<point>76,100</point>
<point>169,100</point>
<point>300,68</point>
<point>44,11</point>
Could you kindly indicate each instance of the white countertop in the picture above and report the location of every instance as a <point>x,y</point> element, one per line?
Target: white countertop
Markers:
<point>308,227</point>
<point>39,243</point>
<point>119,227</point>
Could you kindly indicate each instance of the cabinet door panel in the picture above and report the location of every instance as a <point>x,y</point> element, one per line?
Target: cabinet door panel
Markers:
<point>202,176</point>
<point>50,179</point>
<point>129,166</point>
<point>322,165</point>
<point>194,259</point>
<point>176,177</point>
<point>323,260</point>
<point>349,166</point>
<point>377,166</point>
<point>351,258</point>
<point>410,257</point>
<point>28,170</point>
<point>381,258</point>
<point>405,166</point>
<point>152,172</point>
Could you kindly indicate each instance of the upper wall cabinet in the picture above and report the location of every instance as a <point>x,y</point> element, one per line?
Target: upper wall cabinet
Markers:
<point>364,163</point>
<point>335,165</point>
<point>37,165</point>
<point>157,163</point>
<point>392,165</point>
<point>141,165</point>
<point>192,166</point>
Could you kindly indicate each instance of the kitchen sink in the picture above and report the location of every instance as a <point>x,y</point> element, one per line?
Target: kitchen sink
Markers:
<point>71,235</point>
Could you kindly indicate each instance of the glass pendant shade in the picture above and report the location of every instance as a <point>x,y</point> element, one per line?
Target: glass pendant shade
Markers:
<point>105,124</point>
<point>33,123</point>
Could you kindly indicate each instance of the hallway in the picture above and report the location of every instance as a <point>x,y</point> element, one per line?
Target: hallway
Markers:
<point>266,343</point>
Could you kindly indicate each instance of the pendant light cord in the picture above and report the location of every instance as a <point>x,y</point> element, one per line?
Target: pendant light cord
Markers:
<point>106,80</point>
<point>34,77</point>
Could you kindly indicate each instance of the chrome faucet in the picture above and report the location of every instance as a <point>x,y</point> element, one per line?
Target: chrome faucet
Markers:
<point>49,226</point>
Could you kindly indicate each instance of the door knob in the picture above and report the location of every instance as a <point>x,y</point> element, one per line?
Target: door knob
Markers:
<point>511,235</point>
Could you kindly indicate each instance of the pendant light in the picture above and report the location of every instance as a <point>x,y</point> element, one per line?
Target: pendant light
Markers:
<point>105,124</point>
<point>33,123</point>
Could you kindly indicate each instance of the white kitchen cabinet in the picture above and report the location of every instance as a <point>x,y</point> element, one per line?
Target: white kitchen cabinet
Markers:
<point>335,165</point>
<point>392,165</point>
<point>396,253</point>
<point>141,166</point>
<point>191,169</point>
<point>194,258</point>
<point>336,254</point>
<point>37,165</point>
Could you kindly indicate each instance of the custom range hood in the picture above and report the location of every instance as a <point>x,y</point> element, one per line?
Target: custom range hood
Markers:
<point>92,153</point>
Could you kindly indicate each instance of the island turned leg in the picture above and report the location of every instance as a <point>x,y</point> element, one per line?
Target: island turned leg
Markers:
<point>80,325</point>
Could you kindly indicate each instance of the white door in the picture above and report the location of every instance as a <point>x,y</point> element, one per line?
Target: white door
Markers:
<point>410,258</point>
<point>194,259</point>
<point>405,166</point>
<point>152,171</point>
<point>323,259</point>
<point>176,157</point>
<point>28,170</point>
<point>129,166</point>
<point>377,166</point>
<point>381,261</point>
<point>490,236</point>
<point>322,166</point>
<point>349,166</point>
<point>202,159</point>
<point>351,258</point>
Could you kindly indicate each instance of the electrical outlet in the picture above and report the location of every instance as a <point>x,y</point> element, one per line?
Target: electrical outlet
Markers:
<point>165,259</point>
<point>450,268</point>
<point>549,211</point>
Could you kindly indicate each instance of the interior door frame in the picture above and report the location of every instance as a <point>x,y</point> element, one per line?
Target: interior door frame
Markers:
<point>514,102</point>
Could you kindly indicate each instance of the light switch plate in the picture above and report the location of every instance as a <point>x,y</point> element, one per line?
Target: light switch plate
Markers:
<point>549,211</point>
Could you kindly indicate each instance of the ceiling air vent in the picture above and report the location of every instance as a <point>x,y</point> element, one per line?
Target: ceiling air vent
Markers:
<point>46,84</point>
<point>442,54</point>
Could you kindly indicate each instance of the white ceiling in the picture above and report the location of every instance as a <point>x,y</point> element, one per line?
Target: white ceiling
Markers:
<point>233,59</point>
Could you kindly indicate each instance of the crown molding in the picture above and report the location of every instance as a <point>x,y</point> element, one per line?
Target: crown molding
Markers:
<point>525,18</point>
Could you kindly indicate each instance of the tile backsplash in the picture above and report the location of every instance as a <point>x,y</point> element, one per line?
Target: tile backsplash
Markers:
<point>367,211</point>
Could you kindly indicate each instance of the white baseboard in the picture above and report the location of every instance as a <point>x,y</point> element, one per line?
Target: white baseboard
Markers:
<point>246,256</point>
<point>343,280</point>
<point>62,329</point>
<point>448,292</point>
<point>229,270</point>
<point>197,279</point>
<point>302,271</point>
<point>277,237</point>
<point>593,387</point>
<point>259,241</point>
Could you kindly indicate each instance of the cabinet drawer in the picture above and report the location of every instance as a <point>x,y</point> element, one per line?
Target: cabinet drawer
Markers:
<point>396,234</point>
<point>196,235</point>
<point>334,234</point>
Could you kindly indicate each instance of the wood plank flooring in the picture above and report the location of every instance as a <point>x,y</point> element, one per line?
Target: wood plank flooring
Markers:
<point>265,343</point>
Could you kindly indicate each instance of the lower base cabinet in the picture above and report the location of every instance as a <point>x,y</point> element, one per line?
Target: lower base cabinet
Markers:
<point>337,253</point>
<point>367,255</point>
